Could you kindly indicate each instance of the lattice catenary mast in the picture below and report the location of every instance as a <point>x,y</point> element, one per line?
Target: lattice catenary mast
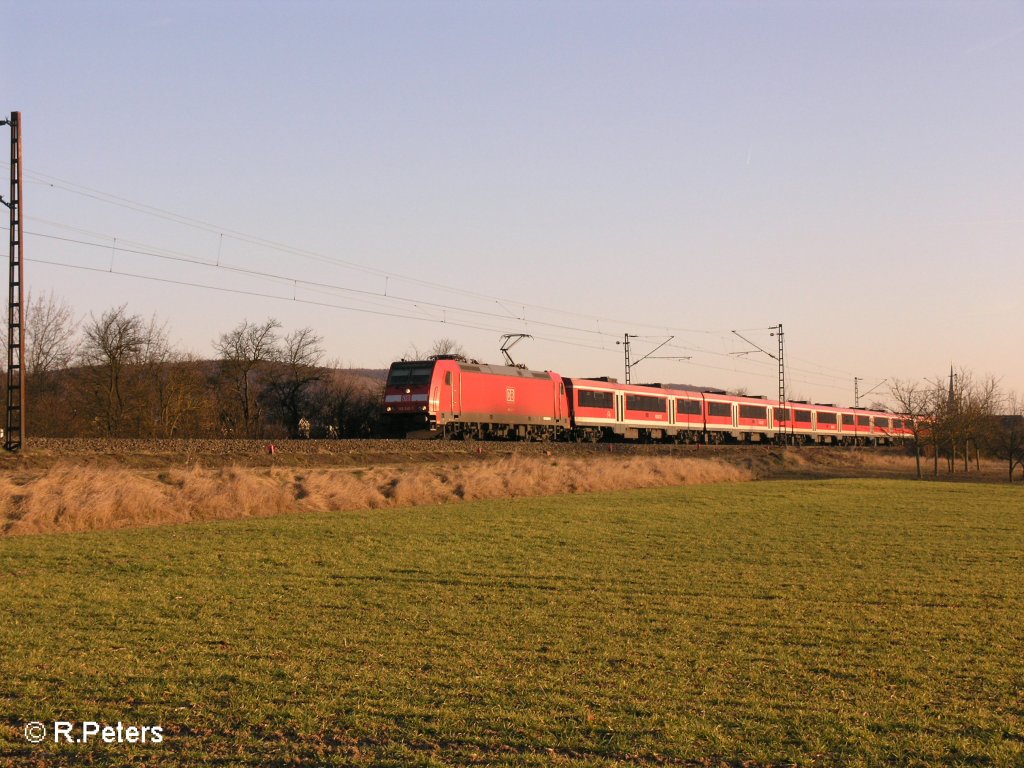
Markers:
<point>14,431</point>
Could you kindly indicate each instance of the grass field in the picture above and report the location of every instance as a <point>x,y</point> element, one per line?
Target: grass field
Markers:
<point>826,623</point>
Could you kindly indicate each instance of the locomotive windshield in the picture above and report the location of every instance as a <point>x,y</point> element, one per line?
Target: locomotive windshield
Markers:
<point>408,376</point>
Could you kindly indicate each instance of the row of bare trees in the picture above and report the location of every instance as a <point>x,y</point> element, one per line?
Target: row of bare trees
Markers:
<point>958,419</point>
<point>118,374</point>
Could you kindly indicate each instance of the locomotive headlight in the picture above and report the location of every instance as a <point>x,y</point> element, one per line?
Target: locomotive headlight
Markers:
<point>423,407</point>
<point>408,391</point>
<point>388,409</point>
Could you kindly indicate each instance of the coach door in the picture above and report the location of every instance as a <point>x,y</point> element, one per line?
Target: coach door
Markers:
<point>620,407</point>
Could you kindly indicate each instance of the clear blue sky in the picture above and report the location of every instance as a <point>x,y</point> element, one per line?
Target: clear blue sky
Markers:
<point>854,171</point>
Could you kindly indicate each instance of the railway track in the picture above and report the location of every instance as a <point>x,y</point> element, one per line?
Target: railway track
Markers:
<point>344,452</point>
<point>155,456</point>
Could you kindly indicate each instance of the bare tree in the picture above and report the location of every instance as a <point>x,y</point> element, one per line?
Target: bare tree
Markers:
<point>941,423</point>
<point>297,367</point>
<point>112,343</point>
<point>980,402</point>
<point>446,346</point>
<point>439,348</point>
<point>243,351</point>
<point>915,401</point>
<point>179,396</point>
<point>49,335</point>
<point>963,410</point>
<point>346,404</point>
<point>50,347</point>
<point>1006,437</point>
<point>168,385</point>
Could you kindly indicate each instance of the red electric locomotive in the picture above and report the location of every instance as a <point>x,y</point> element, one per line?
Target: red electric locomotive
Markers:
<point>449,397</point>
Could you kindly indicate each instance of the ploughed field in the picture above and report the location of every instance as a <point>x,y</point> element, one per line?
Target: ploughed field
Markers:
<point>825,623</point>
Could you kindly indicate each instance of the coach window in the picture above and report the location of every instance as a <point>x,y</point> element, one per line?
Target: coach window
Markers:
<point>826,418</point>
<point>753,412</point>
<point>691,407</point>
<point>781,415</point>
<point>847,419</point>
<point>881,422</point>
<point>589,399</point>
<point>802,417</point>
<point>897,424</point>
<point>645,403</point>
<point>719,409</point>
<point>863,421</point>
<point>448,378</point>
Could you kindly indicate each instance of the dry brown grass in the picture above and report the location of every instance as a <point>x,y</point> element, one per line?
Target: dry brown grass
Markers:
<point>70,497</point>
<point>848,459</point>
<point>869,462</point>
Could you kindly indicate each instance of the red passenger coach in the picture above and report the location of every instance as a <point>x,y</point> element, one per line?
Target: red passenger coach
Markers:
<point>604,409</point>
<point>796,420</point>
<point>454,398</point>
<point>901,428</point>
<point>719,416</point>
<point>826,423</point>
<point>886,429</point>
<point>863,425</point>
<point>690,414</point>
<point>595,407</point>
<point>752,418</point>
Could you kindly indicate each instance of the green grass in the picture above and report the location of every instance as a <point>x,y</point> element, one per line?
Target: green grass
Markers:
<point>852,623</point>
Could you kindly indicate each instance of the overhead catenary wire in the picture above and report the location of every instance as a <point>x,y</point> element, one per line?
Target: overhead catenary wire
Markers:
<point>165,254</point>
<point>221,231</point>
<point>260,294</point>
<point>327,288</point>
<point>422,307</point>
<point>442,321</point>
<point>285,279</point>
<point>750,367</point>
